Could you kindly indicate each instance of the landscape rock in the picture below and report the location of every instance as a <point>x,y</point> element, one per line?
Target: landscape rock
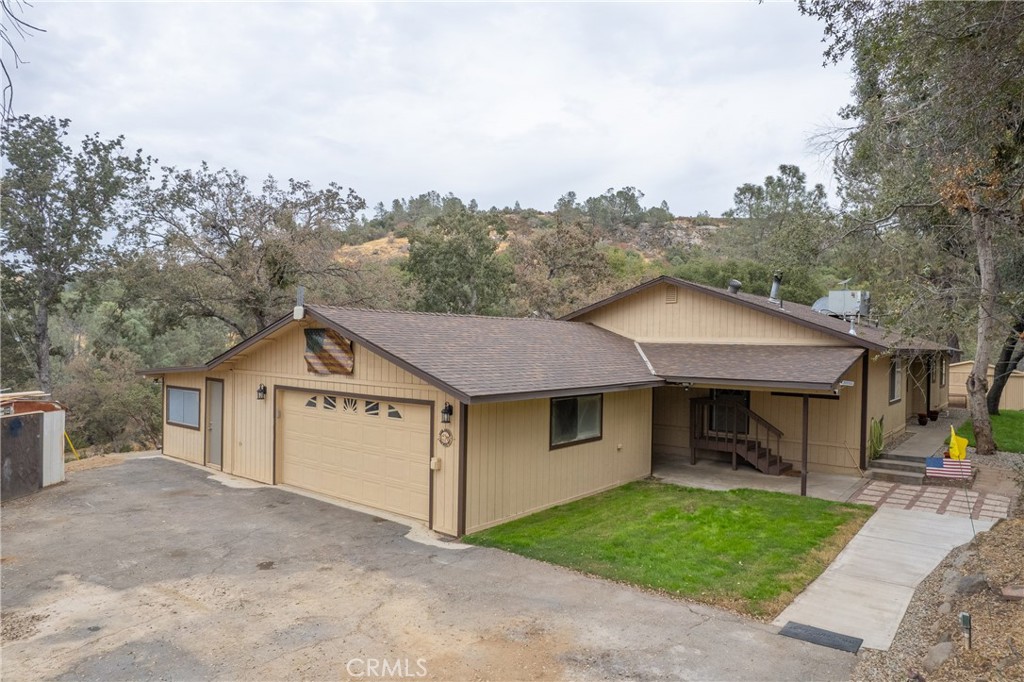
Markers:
<point>950,578</point>
<point>1013,592</point>
<point>937,655</point>
<point>972,584</point>
<point>945,608</point>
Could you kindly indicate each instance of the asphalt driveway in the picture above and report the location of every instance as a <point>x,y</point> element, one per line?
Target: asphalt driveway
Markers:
<point>150,570</point>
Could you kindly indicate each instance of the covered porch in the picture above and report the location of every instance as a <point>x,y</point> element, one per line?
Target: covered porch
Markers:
<point>771,411</point>
<point>717,475</point>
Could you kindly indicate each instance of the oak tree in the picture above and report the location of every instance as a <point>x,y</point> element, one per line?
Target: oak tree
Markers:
<point>59,204</point>
<point>228,252</point>
<point>936,137</point>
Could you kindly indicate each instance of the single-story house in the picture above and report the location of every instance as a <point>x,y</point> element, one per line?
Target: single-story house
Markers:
<point>464,422</point>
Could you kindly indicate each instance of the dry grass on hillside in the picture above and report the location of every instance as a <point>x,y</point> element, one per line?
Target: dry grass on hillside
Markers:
<point>385,248</point>
<point>391,247</point>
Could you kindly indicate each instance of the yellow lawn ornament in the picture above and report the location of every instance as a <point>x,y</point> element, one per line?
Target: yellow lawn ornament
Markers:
<point>957,445</point>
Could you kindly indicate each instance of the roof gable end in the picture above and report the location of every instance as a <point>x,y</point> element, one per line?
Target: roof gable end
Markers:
<point>872,338</point>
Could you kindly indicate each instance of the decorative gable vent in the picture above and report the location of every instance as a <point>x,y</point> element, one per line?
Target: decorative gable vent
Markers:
<point>671,294</point>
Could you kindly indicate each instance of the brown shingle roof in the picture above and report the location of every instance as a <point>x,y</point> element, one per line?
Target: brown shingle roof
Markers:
<point>868,336</point>
<point>482,359</point>
<point>810,368</point>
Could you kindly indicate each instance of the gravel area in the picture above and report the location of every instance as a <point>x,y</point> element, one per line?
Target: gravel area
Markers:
<point>997,651</point>
<point>1001,460</point>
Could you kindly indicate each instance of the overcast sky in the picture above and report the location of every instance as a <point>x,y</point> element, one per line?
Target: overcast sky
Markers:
<point>498,102</point>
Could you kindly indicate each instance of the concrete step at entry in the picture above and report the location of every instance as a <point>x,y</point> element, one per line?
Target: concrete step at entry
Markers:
<point>904,457</point>
<point>896,476</point>
<point>897,465</point>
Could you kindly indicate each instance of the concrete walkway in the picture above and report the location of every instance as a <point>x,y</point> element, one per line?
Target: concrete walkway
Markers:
<point>867,589</point>
<point>924,441</point>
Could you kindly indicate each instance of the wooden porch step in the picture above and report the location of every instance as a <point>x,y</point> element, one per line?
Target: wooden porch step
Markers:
<point>769,464</point>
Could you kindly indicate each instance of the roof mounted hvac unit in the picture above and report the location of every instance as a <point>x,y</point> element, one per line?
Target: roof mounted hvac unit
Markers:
<point>847,303</point>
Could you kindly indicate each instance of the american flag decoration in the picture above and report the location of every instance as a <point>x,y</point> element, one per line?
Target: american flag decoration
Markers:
<point>943,467</point>
<point>327,352</point>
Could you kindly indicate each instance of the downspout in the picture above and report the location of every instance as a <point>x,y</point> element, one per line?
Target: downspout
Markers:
<point>650,368</point>
<point>460,524</point>
<point>804,446</point>
<point>864,411</point>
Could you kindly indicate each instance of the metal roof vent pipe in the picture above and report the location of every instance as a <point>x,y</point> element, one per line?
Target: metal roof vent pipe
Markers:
<point>776,283</point>
<point>734,286</point>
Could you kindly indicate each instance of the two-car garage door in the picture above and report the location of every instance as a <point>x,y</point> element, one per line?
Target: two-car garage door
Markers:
<point>374,452</point>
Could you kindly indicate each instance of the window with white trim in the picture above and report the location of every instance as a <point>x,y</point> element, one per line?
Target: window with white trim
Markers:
<point>183,407</point>
<point>895,380</point>
<point>575,420</point>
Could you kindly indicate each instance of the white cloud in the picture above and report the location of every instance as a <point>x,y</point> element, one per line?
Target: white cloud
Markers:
<point>494,102</point>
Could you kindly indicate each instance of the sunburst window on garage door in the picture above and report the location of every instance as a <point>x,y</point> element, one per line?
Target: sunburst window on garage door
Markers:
<point>330,402</point>
<point>312,402</point>
<point>371,408</point>
<point>393,412</point>
<point>351,405</point>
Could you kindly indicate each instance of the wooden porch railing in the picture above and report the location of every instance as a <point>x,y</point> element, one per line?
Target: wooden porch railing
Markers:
<point>747,435</point>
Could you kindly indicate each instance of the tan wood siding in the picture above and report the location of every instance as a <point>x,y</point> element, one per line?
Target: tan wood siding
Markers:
<point>179,441</point>
<point>833,427</point>
<point>512,472</point>
<point>671,417</point>
<point>249,433</point>
<point>697,318</point>
<point>878,397</point>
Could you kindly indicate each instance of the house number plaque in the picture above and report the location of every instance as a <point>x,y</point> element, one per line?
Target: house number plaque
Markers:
<point>445,437</point>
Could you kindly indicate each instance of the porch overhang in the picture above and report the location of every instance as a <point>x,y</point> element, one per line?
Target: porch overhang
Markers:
<point>816,369</point>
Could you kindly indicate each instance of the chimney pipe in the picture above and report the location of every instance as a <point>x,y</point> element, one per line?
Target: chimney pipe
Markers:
<point>734,286</point>
<point>776,283</point>
<point>298,312</point>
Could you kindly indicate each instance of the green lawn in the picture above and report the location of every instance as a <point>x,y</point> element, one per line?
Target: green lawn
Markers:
<point>749,550</point>
<point>1007,429</point>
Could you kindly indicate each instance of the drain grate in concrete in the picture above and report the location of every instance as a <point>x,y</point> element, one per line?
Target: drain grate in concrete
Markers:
<point>833,640</point>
